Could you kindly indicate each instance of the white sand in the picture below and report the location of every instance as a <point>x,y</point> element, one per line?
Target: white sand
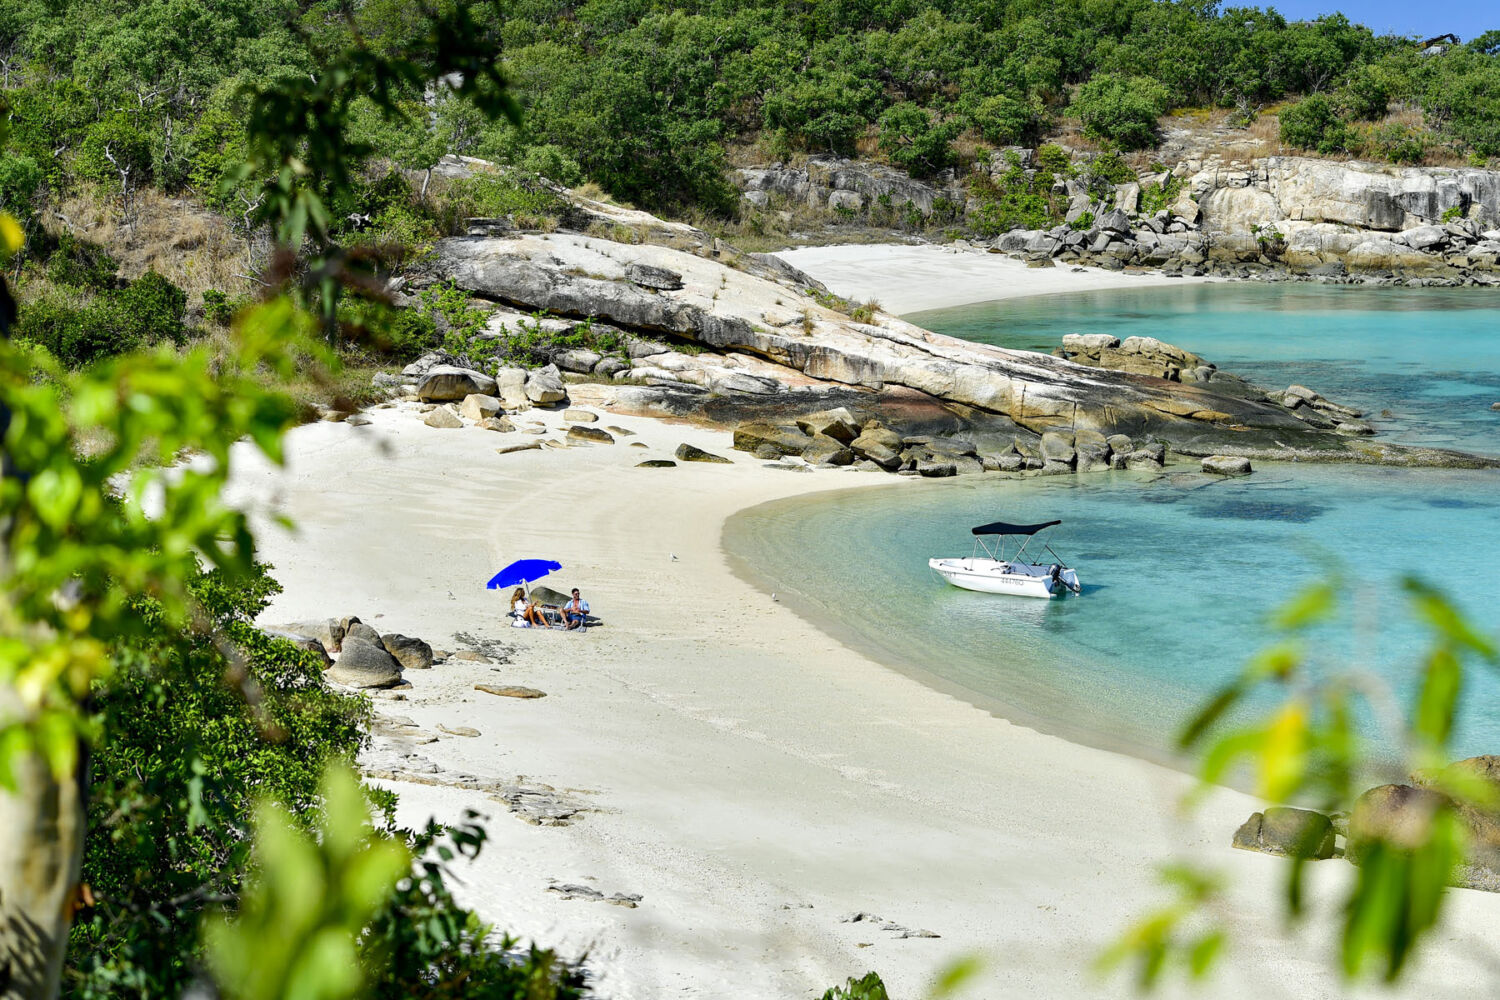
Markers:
<point>750,777</point>
<point>907,279</point>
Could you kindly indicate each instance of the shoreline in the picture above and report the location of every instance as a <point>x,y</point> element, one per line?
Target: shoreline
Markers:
<point>753,778</point>
<point>996,706</point>
<point>908,279</point>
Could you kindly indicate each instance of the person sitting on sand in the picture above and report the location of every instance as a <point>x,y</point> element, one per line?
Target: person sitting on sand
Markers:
<point>527,610</point>
<point>576,611</point>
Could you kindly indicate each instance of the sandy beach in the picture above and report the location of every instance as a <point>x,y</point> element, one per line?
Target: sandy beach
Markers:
<point>755,782</point>
<point>907,279</point>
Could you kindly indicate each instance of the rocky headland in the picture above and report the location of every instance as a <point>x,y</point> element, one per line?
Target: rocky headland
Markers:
<point>678,324</point>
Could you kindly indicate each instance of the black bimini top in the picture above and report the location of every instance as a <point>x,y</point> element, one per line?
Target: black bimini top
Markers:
<point>1001,528</point>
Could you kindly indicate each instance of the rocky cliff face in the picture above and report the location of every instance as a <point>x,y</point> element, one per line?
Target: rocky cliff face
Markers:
<point>1353,194</point>
<point>1277,216</point>
<point>838,184</point>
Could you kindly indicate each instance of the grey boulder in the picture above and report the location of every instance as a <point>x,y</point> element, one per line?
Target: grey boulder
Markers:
<point>412,654</point>
<point>445,383</point>
<point>1292,833</point>
<point>477,406</point>
<point>443,417</point>
<point>545,385</point>
<point>1227,465</point>
<point>365,664</point>
<point>691,453</point>
<point>579,434</point>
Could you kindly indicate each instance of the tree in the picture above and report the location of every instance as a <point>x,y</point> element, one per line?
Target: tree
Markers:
<point>1314,123</point>
<point>75,561</point>
<point>916,139</point>
<point>1121,110</point>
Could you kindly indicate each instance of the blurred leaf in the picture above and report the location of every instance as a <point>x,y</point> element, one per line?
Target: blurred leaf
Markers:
<point>955,975</point>
<point>1437,700</point>
<point>295,935</point>
<point>1283,752</point>
<point>1312,605</point>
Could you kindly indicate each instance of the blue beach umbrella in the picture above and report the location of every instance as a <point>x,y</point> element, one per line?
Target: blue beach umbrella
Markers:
<point>522,571</point>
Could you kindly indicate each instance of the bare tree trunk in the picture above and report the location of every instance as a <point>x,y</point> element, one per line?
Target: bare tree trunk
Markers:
<point>41,853</point>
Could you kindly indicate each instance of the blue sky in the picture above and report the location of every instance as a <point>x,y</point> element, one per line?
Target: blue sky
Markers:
<point>1465,18</point>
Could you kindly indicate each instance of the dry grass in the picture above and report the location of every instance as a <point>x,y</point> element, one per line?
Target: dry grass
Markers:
<point>593,192</point>
<point>1264,136</point>
<point>187,244</point>
<point>867,146</point>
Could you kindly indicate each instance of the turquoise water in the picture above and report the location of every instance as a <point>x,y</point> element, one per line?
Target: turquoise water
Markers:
<point>1180,571</point>
<point>1423,363</point>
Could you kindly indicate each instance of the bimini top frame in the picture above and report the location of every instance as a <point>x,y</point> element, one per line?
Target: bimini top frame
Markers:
<point>1001,530</point>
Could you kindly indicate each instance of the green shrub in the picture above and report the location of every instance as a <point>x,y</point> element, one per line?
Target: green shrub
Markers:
<point>916,139</point>
<point>1155,197</point>
<point>217,309</point>
<point>79,331</point>
<point>174,784</point>
<point>1015,200</point>
<point>1366,95</point>
<point>1051,161</point>
<point>21,180</point>
<point>867,987</point>
<point>397,333</point>
<point>1007,121</point>
<point>56,324</point>
<point>118,141</point>
<point>1314,123</point>
<point>1110,168</point>
<point>1119,109</point>
<point>1083,222</point>
<point>1395,142</point>
<point>149,310</point>
<point>531,345</point>
<point>81,264</point>
<point>553,163</point>
<point>496,195</point>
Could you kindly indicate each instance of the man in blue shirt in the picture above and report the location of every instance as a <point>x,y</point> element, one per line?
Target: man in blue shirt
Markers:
<point>576,611</point>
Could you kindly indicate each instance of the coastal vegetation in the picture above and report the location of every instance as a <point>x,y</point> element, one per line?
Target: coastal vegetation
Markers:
<point>206,761</point>
<point>315,134</point>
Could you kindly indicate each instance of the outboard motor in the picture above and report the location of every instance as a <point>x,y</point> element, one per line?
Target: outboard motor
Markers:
<point>1054,573</point>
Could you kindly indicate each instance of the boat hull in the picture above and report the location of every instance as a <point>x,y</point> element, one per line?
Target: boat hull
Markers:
<point>988,576</point>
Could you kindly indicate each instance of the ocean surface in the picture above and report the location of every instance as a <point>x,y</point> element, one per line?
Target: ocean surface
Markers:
<point>1182,571</point>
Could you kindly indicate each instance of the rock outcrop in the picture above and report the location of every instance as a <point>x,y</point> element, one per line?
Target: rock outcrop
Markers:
<point>1353,194</point>
<point>844,185</point>
<point>1274,217</point>
<point>767,339</point>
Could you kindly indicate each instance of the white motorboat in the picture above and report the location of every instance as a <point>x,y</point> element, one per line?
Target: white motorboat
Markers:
<point>993,573</point>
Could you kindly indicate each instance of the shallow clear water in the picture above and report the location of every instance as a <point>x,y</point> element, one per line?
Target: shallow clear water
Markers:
<point>1180,571</point>
<point>1423,363</point>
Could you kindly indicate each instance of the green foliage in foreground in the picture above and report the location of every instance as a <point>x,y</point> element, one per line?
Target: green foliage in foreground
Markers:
<point>112,632</point>
<point>1310,750</point>
<point>199,725</point>
<point>296,929</point>
<point>867,987</point>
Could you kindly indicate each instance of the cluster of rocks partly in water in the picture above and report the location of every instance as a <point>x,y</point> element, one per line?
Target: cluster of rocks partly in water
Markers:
<point>837,439</point>
<point>699,331</point>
